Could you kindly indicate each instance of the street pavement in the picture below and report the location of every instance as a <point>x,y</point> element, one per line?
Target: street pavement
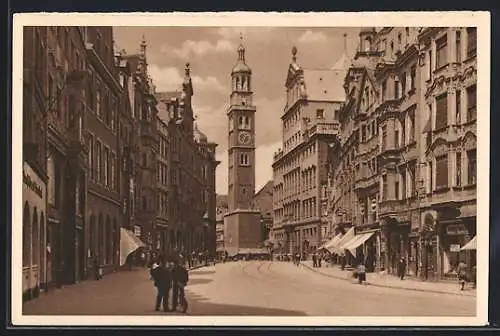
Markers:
<point>249,288</point>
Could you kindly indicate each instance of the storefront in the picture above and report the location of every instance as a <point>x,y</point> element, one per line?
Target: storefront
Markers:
<point>34,233</point>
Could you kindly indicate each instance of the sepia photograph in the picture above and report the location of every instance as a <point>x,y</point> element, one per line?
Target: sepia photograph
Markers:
<point>277,169</point>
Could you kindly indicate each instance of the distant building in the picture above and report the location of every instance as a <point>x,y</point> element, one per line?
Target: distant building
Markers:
<point>300,168</point>
<point>222,209</point>
<point>263,201</point>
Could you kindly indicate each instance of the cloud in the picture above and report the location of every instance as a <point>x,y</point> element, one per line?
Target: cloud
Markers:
<point>166,78</point>
<point>209,83</point>
<point>200,48</point>
<point>268,120</point>
<point>170,79</point>
<point>312,37</point>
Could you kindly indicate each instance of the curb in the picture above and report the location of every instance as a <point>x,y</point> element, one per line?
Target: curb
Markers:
<point>197,267</point>
<point>388,286</point>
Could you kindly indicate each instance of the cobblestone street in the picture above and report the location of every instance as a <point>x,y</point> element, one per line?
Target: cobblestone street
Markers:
<point>250,288</point>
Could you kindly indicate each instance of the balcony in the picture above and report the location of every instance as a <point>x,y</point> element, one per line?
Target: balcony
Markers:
<point>365,181</point>
<point>391,207</point>
<point>323,128</point>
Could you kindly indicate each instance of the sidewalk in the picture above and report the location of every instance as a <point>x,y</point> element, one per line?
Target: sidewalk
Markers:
<point>390,281</point>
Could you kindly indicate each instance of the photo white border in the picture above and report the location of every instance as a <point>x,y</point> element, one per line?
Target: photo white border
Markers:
<point>248,19</point>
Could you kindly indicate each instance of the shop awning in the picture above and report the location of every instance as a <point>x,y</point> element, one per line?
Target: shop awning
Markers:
<point>471,245</point>
<point>344,239</point>
<point>357,241</point>
<point>330,246</point>
<point>128,244</point>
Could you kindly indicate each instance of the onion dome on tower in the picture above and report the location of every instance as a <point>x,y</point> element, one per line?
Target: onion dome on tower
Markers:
<point>240,65</point>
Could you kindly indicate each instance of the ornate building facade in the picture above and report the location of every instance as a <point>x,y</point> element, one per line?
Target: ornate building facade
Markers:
<point>403,129</point>
<point>300,168</point>
<point>191,192</point>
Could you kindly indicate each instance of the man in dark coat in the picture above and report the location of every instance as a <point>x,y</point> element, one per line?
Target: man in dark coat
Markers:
<point>162,278</point>
<point>402,268</point>
<point>180,280</point>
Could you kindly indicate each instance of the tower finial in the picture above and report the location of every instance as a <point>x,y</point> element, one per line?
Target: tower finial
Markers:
<point>241,49</point>
<point>345,43</point>
<point>143,46</point>
<point>187,70</point>
<point>294,54</point>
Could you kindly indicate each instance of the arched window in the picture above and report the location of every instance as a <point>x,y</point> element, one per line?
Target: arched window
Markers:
<point>26,235</point>
<point>240,122</point>
<point>368,44</point>
<point>92,235</point>
<point>108,241</point>
<point>243,83</point>
<point>100,239</point>
<point>35,230</point>
<point>42,244</point>
<point>237,83</point>
<point>51,172</point>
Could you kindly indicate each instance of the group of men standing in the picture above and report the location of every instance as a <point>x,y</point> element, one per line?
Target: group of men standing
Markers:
<point>169,275</point>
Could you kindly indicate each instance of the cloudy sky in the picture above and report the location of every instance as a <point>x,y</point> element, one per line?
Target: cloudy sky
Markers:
<point>212,54</point>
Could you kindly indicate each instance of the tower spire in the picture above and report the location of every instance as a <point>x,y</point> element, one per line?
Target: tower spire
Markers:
<point>143,47</point>
<point>241,49</point>
<point>294,54</point>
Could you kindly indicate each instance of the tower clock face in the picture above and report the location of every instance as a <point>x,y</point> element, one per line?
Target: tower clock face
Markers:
<point>244,138</point>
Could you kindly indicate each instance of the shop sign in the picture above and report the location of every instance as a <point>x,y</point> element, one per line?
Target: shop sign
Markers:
<point>456,229</point>
<point>31,184</point>
<point>454,247</point>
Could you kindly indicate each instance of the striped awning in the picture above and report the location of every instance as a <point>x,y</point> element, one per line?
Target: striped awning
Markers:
<point>129,242</point>
<point>471,245</point>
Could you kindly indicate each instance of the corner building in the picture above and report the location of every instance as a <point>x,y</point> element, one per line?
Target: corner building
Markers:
<point>400,98</point>
<point>300,168</point>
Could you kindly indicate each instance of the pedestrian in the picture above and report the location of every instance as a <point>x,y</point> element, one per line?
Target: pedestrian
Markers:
<point>162,281</point>
<point>179,280</point>
<point>474,277</point>
<point>314,258</point>
<point>319,261</point>
<point>361,273</point>
<point>462,274</point>
<point>97,268</point>
<point>297,258</point>
<point>402,268</point>
<point>342,262</point>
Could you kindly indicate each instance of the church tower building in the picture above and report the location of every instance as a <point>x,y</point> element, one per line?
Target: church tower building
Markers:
<point>242,223</point>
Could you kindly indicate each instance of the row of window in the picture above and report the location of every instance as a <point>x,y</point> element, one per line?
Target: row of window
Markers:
<point>102,163</point>
<point>163,148</point>
<point>295,161</point>
<point>162,173</point>
<point>442,108</point>
<point>244,122</point>
<point>102,102</point>
<point>162,203</point>
<point>442,166</point>
<point>443,48</point>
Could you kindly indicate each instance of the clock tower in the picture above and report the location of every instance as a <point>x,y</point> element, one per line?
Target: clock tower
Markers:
<point>242,222</point>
